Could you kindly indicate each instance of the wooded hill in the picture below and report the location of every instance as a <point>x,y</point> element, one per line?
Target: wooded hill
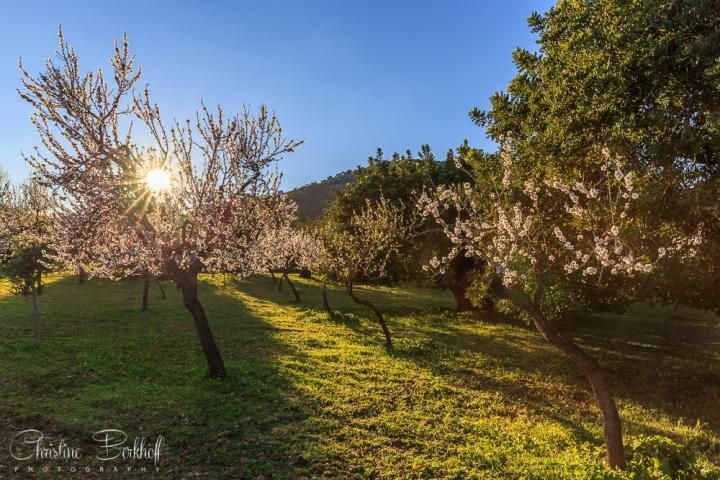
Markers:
<point>314,197</point>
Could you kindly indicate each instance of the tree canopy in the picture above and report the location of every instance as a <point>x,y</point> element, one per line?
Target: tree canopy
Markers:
<point>398,180</point>
<point>643,79</point>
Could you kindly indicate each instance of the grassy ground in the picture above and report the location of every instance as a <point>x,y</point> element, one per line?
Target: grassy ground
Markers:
<point>318,396</point>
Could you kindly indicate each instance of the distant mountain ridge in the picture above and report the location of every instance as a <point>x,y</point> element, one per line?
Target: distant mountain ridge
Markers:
<point>314,197</point>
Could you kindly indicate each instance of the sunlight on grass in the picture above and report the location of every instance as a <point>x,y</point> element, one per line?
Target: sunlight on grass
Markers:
<point>6,293</point>
<point>319,395</point>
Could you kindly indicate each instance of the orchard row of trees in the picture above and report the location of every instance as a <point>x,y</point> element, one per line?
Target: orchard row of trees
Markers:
<point>604,190</point>
<point>202,196</point>
<point>25,225</point>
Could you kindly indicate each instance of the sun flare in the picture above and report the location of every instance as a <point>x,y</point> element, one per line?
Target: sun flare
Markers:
<point>157,180</point>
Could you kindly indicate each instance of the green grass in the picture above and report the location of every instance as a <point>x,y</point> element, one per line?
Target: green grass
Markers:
<point>318,396</point>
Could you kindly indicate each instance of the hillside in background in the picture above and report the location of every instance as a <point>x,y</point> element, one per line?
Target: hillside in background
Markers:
<point>314,197</point>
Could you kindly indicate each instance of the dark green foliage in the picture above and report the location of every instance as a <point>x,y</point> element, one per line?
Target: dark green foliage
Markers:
<point>25,269</point>
<point>643,79</point>
<point>399,179</point>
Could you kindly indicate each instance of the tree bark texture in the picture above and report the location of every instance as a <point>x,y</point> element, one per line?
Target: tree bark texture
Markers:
<point>326,304</point>
<point>462,269</point>
<point>292,287</point>
<point>189,286</point>
<point>612,425</point>
<point>162,290</point>
<point>371,306</point>
<point>146,293</point>
<point>36,312</point>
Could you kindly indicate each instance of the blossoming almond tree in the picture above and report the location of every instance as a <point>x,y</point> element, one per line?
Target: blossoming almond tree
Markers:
<point>537,232</point>
<point>26,224</point>
<point>288,247</point>
<point>363,248</point>
<point>195,196</point>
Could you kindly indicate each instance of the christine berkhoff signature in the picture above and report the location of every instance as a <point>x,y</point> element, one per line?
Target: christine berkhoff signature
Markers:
<point>115,452</point>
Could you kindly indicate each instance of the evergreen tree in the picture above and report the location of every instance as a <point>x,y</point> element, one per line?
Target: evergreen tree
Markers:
<point>642,79</point>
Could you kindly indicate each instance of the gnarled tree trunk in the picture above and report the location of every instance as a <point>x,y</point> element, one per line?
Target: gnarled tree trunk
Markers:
<point>326,304</point>
<point>189,286</point>
<point>378,314</point>
<point>461,273</point>
<point>612,425</point>
<point>146,293</point>
<point>36,311</point>
<point>82,276</point>
<point>462,304</point>
<point>39,282</point>
<point>162,290</point>
<point>292,287</point>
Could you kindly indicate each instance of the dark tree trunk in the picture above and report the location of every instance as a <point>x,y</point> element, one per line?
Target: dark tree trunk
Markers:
<point>188,284</point>
<point>326,304</point>
<point>462,269</point>
<point>36,311</point>
<point>280,284</point>
<point>378,314</point>
<point>162,290</point>
<point>462,304</point>
<point>612,425</point>
<point>82,276</point>
<point>146,293</point>
<point>292,287</point>
<point>272,274</point>
<point>39,282</point>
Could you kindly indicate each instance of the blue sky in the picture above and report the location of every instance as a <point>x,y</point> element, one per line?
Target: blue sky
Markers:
<point>347,76</point>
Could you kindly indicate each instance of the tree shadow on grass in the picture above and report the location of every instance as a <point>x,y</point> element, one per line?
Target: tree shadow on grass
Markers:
<point>512,370</point>
<point>111,366</point>
<point>436,346</point>
<point>659,367</point>
<point>105,364</point>
<point>662,362</point>
<point>528,373</point>
<point>645,366</point>
<point>344,312</point>
<point>540,381</point>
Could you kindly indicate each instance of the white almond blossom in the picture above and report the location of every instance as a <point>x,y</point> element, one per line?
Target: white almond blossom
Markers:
<point>591,232</point>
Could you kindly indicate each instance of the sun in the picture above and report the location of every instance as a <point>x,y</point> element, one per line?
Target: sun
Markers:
<point>157,180</point>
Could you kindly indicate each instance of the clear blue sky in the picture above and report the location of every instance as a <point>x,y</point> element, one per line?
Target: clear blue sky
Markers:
<point>347,76</point>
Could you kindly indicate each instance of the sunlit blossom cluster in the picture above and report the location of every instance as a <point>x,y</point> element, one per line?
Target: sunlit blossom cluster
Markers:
<point>533,225</point>
<point>288,247</point>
